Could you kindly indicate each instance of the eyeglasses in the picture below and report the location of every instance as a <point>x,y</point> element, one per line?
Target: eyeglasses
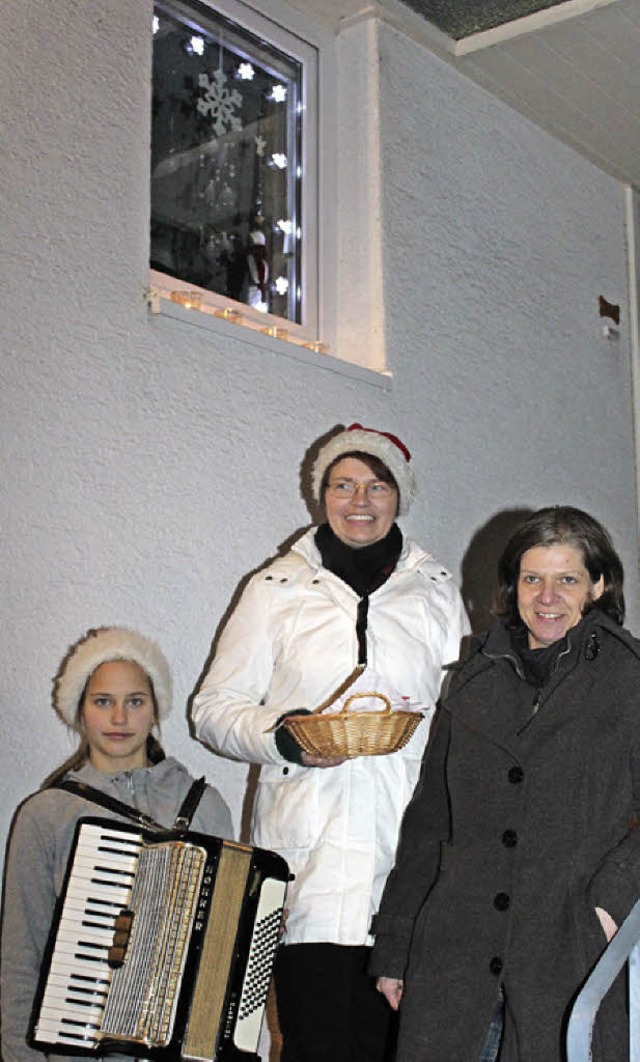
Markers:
<point>348,488</point>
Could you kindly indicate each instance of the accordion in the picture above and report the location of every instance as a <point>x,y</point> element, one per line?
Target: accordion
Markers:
<point>162,946</point>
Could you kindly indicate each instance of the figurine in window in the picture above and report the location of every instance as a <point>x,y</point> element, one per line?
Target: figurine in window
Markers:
<point>258,264</point>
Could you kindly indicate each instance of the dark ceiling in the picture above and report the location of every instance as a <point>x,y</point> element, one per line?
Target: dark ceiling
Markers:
<point>461,18</point>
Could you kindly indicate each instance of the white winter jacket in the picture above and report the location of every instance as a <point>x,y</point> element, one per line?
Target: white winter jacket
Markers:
<point>289,644</point>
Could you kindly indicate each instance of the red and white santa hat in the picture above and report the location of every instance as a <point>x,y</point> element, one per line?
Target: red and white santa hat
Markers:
<point>381,444</point>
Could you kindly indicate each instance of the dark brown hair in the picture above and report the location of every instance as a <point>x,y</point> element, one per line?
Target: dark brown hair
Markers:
<point>563,525</point>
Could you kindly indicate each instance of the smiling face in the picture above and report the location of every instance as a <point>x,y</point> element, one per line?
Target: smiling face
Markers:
<point>553,588</point>
<point>118,713</point>
<point>360,507</point>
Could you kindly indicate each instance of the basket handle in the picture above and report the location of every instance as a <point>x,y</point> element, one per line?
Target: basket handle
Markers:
<point>380,696</point>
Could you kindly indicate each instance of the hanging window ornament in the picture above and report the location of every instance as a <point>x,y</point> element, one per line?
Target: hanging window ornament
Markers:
<point>210,192</point>
<point>261,144</point>
<point>279,93</point>
<point>195,46</point>
<point>246,72</point>
<point>227,198</point>
<point>280,161</point>
<point>216,100</point>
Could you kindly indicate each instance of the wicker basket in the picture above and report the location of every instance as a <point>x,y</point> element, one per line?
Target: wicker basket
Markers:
<point>348,734</point>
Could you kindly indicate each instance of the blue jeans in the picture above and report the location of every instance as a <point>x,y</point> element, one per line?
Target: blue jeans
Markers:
<point>491,1047</point>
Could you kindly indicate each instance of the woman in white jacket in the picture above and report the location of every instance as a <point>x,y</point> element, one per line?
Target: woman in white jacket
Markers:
<point>352,597</point>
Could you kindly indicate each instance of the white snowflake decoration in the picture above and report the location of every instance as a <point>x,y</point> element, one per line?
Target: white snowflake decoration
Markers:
<point>217,101</point>
<point>261,144</point>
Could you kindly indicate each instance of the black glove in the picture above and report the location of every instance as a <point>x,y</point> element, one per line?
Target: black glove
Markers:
<point>286,744</point>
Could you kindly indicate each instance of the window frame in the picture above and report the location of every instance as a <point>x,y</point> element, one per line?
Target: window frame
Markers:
<point>292,33</point>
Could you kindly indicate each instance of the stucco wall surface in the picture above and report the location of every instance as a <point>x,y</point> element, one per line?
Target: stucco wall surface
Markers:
<point>498,242</point>
<point>150,465</point>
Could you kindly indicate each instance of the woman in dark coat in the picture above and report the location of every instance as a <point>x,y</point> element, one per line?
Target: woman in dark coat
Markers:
<point>521,834</point>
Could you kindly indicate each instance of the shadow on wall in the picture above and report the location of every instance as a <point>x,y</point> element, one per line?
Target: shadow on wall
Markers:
<point>317,517</point>
<point>306,472</point>
<point>480,565</point>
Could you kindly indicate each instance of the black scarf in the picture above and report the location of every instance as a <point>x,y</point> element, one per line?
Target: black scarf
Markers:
<point>364,569</point>
<point>538,664</point>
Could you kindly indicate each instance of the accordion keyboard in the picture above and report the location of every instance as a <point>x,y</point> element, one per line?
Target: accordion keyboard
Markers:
<point>100,886</point>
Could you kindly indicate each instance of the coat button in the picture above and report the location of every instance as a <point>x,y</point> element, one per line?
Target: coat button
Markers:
<point>285,770</point>
<point>501,901</point>
<point>516,774</point>
<point>509,838</point>
<point>495,966</point>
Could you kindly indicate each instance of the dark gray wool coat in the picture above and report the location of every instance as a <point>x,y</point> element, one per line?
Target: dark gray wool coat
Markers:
<point>523,821</point>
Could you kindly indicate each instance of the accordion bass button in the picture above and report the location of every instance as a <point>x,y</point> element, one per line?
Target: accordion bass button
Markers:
<point>122,933</point>
<point>115,957</point>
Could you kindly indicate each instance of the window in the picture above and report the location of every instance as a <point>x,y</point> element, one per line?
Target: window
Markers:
<point>232,195</point>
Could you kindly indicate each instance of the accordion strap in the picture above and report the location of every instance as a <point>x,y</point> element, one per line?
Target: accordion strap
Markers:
<point>189,805</point>
<point>96,796</point>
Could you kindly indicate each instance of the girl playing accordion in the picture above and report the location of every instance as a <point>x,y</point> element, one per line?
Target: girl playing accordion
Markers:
<point>113,689</point>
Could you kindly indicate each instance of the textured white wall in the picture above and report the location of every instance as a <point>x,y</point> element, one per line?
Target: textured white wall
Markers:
<point>150,465</point>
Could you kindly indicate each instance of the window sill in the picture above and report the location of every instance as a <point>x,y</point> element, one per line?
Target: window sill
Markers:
<point>266,339</point>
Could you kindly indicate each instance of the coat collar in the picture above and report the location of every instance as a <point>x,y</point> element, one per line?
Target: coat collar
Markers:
<point>585,639</point>
<point>506,709</point>
<point>412,557</point>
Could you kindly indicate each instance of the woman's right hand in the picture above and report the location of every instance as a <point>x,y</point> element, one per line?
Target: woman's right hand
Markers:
<point>606,921</point>
<point>391,988</point>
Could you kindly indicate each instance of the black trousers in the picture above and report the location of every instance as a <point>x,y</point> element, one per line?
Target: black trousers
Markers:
<point>328,1007</point>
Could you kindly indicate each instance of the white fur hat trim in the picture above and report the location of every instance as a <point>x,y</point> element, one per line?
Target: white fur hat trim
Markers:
<point>99,646</point>
<point>388,448</point>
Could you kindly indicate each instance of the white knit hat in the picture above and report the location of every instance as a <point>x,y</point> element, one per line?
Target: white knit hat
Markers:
<point>98,646</point>
<point>381,444</point>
